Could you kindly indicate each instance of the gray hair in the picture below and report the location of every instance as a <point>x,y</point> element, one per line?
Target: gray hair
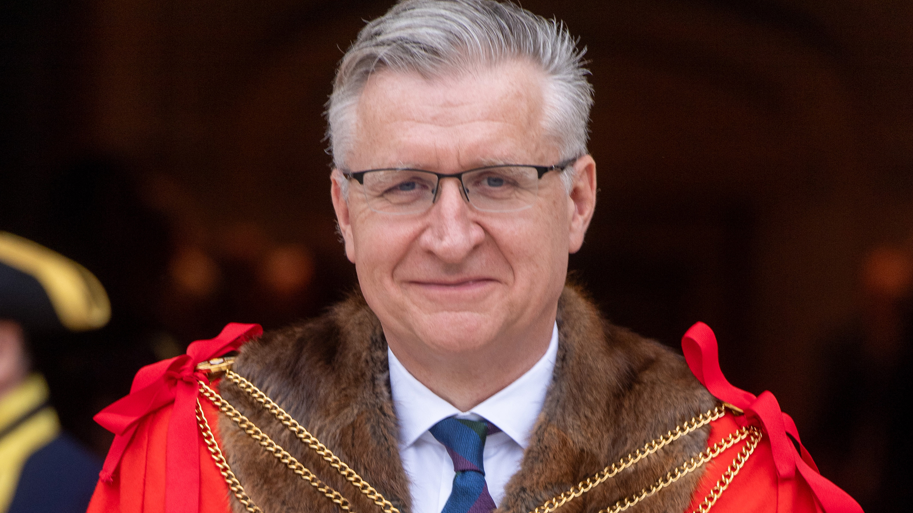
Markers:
<point>434,37</point>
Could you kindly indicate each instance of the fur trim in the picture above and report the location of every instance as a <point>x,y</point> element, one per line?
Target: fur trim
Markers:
<point>612,392</point>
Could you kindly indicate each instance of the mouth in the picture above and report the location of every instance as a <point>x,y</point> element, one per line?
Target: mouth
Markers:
<point>454,283</point>
<point>452,293</point>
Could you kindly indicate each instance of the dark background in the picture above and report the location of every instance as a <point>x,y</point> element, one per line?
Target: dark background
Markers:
<point>753,156</point>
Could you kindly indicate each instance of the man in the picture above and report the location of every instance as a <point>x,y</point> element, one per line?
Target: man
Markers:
<point>41,293</point>
<point>466,375</point>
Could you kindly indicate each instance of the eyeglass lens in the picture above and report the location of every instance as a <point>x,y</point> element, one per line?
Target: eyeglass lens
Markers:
<point>498,189</point>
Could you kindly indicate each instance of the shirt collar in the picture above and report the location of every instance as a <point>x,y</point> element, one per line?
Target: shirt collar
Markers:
<point>514,409</point>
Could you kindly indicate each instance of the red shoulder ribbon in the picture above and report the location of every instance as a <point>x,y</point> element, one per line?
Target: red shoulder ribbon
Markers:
<point>156,386</point>
<point>700,348</point>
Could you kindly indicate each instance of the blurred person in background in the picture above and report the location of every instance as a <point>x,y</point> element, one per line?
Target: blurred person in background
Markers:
<point>42,469</point>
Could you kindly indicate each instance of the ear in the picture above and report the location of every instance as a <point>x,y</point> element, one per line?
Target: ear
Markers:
<point>343,219</point>
<point>581,201</point>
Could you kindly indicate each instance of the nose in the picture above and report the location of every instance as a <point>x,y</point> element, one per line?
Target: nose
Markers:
<point>452,231</point>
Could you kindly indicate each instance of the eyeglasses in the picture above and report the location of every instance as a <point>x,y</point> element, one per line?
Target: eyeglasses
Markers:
<point>502,188</point>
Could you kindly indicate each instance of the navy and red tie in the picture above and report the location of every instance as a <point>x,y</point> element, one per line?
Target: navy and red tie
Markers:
<point>465,442</point>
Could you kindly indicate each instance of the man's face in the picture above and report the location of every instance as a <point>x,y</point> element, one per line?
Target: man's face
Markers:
<point>455,280</point>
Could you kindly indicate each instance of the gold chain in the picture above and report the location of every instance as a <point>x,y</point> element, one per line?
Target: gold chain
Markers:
<point>691,465</point>
<point>302,434</point>
<point>233,484</point>
<point>731,472</point>
<point>649,448</point>
<point>752,433</point>
<point>270,446</point>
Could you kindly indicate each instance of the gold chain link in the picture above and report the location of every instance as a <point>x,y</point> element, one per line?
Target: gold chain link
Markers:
<point>233,484</point>
<point>691,465</point>
<point>270,446</point>
<point>731,472</point>
<point>302,434</point>
<point>649,448</point>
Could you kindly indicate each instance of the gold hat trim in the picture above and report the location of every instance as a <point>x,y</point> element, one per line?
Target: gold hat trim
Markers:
<point>78,298</point>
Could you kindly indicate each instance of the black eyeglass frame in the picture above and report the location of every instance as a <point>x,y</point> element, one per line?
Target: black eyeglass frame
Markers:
<point>359,176</point>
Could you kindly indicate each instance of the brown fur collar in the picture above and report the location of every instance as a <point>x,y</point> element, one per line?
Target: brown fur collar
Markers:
<point>612,392</point>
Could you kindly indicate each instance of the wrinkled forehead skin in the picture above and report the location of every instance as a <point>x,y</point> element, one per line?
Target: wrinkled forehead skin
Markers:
<point>497,110</point>
<point>526,93</point>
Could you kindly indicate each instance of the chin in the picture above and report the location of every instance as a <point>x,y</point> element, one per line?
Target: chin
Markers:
<point>458,332</point>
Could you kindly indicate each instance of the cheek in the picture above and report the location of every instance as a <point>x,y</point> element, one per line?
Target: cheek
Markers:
<point>535,245</point>
<point>378,249</point>
<point>551,236</point>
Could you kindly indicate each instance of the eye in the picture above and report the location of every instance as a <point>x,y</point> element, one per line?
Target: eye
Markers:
<point>404,187</point>
<point>404,183</point>
<point>400,186</point>
<point>493,181</point>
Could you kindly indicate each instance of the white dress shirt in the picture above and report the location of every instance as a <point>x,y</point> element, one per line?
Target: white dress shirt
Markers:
<point>514,410</point>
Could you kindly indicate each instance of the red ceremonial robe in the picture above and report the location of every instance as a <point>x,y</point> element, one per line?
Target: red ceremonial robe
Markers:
<point>775,478</point>
<point>139,485</point>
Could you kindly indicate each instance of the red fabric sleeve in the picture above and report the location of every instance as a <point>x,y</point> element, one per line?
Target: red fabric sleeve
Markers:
<point>755,488</point>
<point>139,484</point>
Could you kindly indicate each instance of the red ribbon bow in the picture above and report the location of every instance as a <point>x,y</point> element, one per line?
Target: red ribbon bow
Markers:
<point>700,348</point>
<point>160,384</point>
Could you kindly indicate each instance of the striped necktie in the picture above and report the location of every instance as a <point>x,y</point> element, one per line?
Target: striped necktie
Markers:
<point>465,443</point>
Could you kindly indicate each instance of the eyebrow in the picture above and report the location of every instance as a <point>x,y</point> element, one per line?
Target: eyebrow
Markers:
<point>485,162</point>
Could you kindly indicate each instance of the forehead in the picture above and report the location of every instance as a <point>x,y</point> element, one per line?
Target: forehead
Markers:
<point>493,113</point>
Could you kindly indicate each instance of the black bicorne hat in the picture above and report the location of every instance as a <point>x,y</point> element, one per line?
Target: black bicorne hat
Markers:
<point>46,292</point>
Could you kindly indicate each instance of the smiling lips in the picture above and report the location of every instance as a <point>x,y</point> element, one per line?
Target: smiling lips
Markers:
<point>452,284</point>
<point>473,286</point>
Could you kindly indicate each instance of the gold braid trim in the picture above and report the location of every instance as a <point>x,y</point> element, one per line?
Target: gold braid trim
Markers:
<point>751,433</point>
